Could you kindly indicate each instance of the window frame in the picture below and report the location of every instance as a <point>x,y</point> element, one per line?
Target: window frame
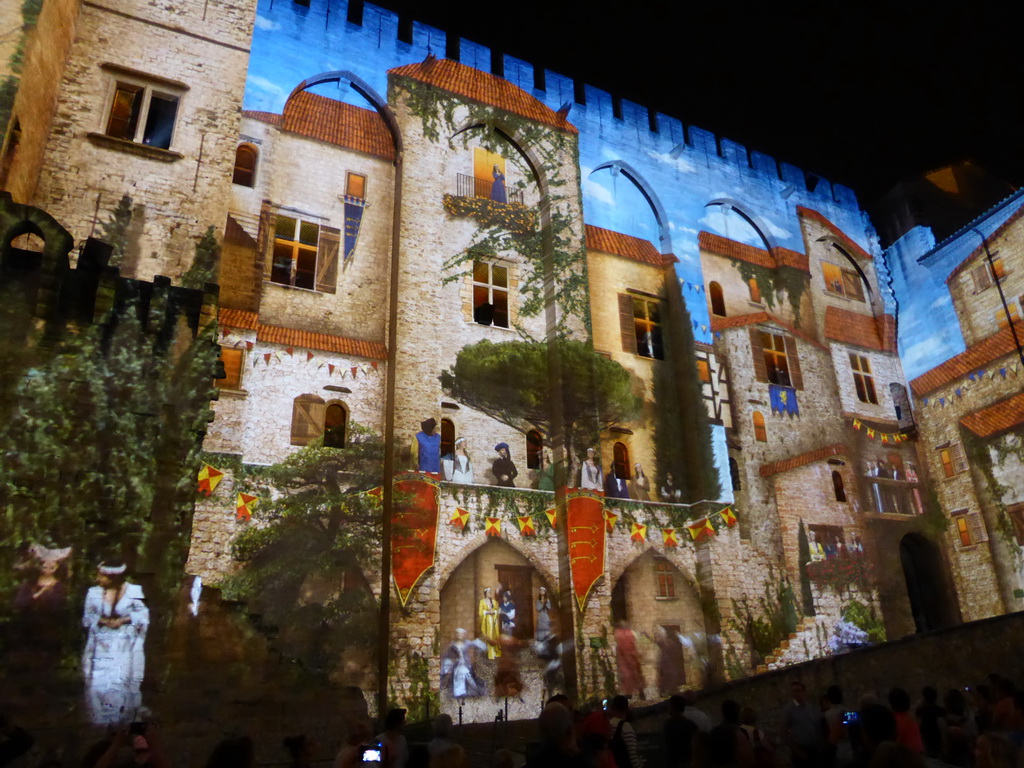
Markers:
<point>349,175</point>
<point>847,283</point>
<point>232,352</point>
<point>760,428</point>
<point>772,357</point>
<point>952,459</point>
<point>246,146</point>
<point>656,347</point>
<point>491,288</point>
<point>344,425</point>
<point>863,378</point>
<point>664,579</point>
<point>969,526</point>
<point>296,245</point>
<point>149,86</point>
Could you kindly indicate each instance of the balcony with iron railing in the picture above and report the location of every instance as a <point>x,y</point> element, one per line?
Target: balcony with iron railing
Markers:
<point>470,186</point>
<point>473,198</point>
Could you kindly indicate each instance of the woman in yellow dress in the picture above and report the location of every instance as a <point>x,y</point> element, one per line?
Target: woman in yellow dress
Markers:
<point>489,624</point>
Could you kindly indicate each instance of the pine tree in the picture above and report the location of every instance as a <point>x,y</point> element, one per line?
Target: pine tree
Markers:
<point>804,553</point>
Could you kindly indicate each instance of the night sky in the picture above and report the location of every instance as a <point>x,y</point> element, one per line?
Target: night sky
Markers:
<point>864,94</point>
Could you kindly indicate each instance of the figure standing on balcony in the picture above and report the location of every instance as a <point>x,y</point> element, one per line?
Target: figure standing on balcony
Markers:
<point>498,193</point>
<point>426,448</point>
<point>503,469</point>
<point>591,476</point>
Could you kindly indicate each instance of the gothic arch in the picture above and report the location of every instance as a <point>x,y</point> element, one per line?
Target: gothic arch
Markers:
<point>836,246</point>
<point>363,89</point>
<point>620,166</point>
<point>508,133</point>
<point>769,241</point>
<point>614,576</point>
<point>17,219</point>
<point>478,540</point>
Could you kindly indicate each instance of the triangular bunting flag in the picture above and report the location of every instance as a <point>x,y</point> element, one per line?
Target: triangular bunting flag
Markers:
<point>701,529</point>
<point>885,438</point>
<point>492,526</point>
<point>857,424</point>
<point>377,493</point>
<point>871,433</point>
<point>552,517</point>
<point>249,345</point>
<point>354,369</point>
<point>729,516</point>
<point>209,479</point>
<point>526,525</point>
<point>244,506</point>
<point>309,356</point>
<point>373,364</point>
<point>266,358</point>
<point>290,351</point>
<point>609,520</point>
<point>1002,372</point>
<point>459,518</point>
<point>638,532</point>
<point>330,369</point>
<point>668,537</point>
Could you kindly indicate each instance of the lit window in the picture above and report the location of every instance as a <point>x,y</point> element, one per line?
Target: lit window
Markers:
<point>663,571</point>
<point>970,527</point>
<point>704,371</point>
<point>1003,319</point>
<point>842,282</point>
<point>755,290</point>
<point>245,165</point>
<point>295,245</point>
<point>142,113</point>
<point>717,299</point>
<point>775,360</point>
<point>490,294</point>
<point>760,433</point>
<point>232,359</point>
<point>953,459</point>
<point>534,447</point>
<point>862,379</point>
<point>355,185</point>
<point>647,328</point>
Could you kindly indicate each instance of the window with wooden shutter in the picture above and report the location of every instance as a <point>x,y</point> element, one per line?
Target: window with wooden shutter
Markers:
<point>853,285</point>
<point>979,533</point>
<point>796,379</point>
<point>327,259</point>
<point>1016,514</point>
<point>757,355</point>
<point>963,529</point>
<point>232,359</point>
<point>982,278</point>
<point>308,413</point>
<point>265,237</point>
<point>626,325</point>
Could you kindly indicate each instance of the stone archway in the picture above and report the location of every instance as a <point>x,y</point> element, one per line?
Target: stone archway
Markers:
<point>924,572</point>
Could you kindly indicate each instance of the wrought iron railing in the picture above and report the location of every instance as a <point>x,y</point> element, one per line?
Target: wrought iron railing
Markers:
<point>470,186</point>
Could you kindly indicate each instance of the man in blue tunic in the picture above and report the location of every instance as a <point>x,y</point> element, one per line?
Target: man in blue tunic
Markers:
<point>427,448</point>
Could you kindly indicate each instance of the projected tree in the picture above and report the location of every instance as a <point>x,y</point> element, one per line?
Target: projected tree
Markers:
<point>511,381</point>
<point>317,533</point>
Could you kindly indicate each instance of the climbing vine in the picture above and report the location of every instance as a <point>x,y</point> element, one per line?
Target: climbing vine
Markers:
<point>771,282</point>
<point>980,455</point>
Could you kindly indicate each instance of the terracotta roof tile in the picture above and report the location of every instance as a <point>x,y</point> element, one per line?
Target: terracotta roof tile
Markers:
<point>1000,230</point>
<point>634,248</point>
<point>483,87</point>
<point>237,318</point>
<point>848,327</point>
<point>333,121</point>
<point>971,359</point>
<point>854,249</point>
<point>292,337</point>
<point>267,117</point>
<point>756,318</point>
<point>793,462</point>
<point>734,249</point>
<point>996,418</point>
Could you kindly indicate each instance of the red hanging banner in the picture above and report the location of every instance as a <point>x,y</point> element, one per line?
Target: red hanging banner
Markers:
<point>586,524</point>
<point>413,530</point>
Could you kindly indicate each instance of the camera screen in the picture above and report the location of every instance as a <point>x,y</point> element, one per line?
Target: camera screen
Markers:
<point>371,755</point>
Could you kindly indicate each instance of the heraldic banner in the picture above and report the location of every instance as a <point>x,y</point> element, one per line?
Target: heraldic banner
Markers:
<point>413,529</point>
<point>586,524</point>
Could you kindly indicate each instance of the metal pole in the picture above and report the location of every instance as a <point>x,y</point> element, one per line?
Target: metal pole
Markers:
<point>1002,296</point>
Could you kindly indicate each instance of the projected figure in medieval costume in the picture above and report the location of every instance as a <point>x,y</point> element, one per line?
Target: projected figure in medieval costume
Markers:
<point>671,674</point>
<point>641,485</point>
<point>426,447</point>
<point>503,469</point>
<point>498,193</point>
<point>488,615</point>
<point>591,476</point>
<point>631,676</point>
<point>507,614</point>
<point>40,604</point>
<point>116,619</point>
<point>457,666</point>
<point>546,478</point>
<point>670,492</point>
<point>543,616</point>
<point>815,546</point>
<point>461,466</point>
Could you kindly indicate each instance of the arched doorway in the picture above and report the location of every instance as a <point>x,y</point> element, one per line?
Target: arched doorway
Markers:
<point>926,580</point>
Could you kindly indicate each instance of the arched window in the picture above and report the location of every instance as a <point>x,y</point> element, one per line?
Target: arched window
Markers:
<point>447,437</point>
<point>335,425</point>
<point>734,474</point>
<point>717,299</point>
<point>620,461</point>
<point>760,433</point>
<point>245,165</point>
<point>308,412</point>
<point>900,403</point>
<point>755,290</point>
<point>837,485</point>
<point>534,448</point>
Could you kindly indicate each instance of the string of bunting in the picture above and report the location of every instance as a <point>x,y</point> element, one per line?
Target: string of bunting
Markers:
<point>874,434</point>
<point>344,372</point>
<point>973,376</point>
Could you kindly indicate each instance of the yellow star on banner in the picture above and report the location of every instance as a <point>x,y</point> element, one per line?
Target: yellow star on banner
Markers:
<point>609,520</point>
<point>526,526</point>
<point>209,479</point>
<point>552,517</point>
<point>729,516</point>
<point>492,526</point>
<point>459,518</point>
<point>668,537</point>
<point>638,532</point>
<point>701,530</point>
<point>244,506</point>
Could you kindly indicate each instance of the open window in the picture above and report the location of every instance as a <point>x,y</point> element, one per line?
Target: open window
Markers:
<point>717,299</point>
<point>335,425</point>
<point>842,282</point>
<point>534,449</point>
<point>447,437</point>
<point>640,326</point>
<point>775,359</point>
<point>308,414</point>
<point>490,294</point>
<point>143,111</point>
<point>620,461</point>
<point>232,359</point>
<point>245,165</point>
<point>299,251</point>
<point>838,487</point>
<point>863,379</point>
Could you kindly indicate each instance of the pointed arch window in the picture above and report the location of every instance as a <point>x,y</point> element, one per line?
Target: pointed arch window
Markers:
<point>837,486</point>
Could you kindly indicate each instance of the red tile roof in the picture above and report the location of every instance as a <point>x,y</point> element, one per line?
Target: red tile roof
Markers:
<point>855,250</point>
<point>267,117</point>
<point>848,327</point>
<point>756,318</point>
<point>483,87</point>
<point>785,465</point>
<point>998,231</point>
<point>238,318</point>
<point>634,248</point>
<point>292,337</point>
<point>996,418</point>
<point>971,359</point>
<point>333,121</point>
<point>733,249</point>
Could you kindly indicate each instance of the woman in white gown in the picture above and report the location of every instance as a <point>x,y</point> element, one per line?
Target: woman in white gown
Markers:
<point>114,662</point>
<point>462,467</point>
<point>457,665</point>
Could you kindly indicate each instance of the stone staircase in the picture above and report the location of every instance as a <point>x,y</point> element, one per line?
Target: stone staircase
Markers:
<point>801,645</point>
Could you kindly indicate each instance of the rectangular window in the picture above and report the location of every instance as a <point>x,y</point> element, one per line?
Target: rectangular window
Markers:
<point>142,113</point>
<point>704,371</point>
<point>962,529</point>
<point>863,380</point>
<point>953,459</point>
<point>775,360</point>
<point>663,571</point>
<point>232,359</point>
<point>355,185</point>
<point>647,328</point>
<point>294,259</point>
<point>842,282</point>
<point>1016,515</point>
<point>970,527</point>
<point>1003,319</point>
<point>490,294</point>
<point>985,276</point>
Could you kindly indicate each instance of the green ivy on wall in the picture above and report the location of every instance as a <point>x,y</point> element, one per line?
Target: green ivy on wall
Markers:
<point>772,282</point>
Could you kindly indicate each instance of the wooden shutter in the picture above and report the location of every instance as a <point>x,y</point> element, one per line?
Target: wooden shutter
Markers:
<point>265,237</point>
<point>327,259</point>
<point>852,284</point>
<point>1016,514</point>
<point>979,533</point>
<point>757,352</point>
<point>308,412</point>
<point>793,359</point>
<point>982,278</point>
<point>626,324</point>
<point>956,450</point>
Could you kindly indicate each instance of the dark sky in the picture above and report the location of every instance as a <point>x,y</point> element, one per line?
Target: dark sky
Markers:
<point>863,93</point>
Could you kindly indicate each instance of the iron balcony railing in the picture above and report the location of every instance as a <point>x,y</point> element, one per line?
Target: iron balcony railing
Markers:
<point>470,186</point>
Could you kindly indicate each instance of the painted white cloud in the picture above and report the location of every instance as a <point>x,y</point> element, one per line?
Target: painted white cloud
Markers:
<point>940,302</point>
<point>681,164</point>
<point>265,24</point>
<point>262,85</point>
<point>594,191</point>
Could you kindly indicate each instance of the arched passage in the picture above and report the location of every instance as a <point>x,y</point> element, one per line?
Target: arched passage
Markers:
<point>619,167</point>
<point>924,572</point>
